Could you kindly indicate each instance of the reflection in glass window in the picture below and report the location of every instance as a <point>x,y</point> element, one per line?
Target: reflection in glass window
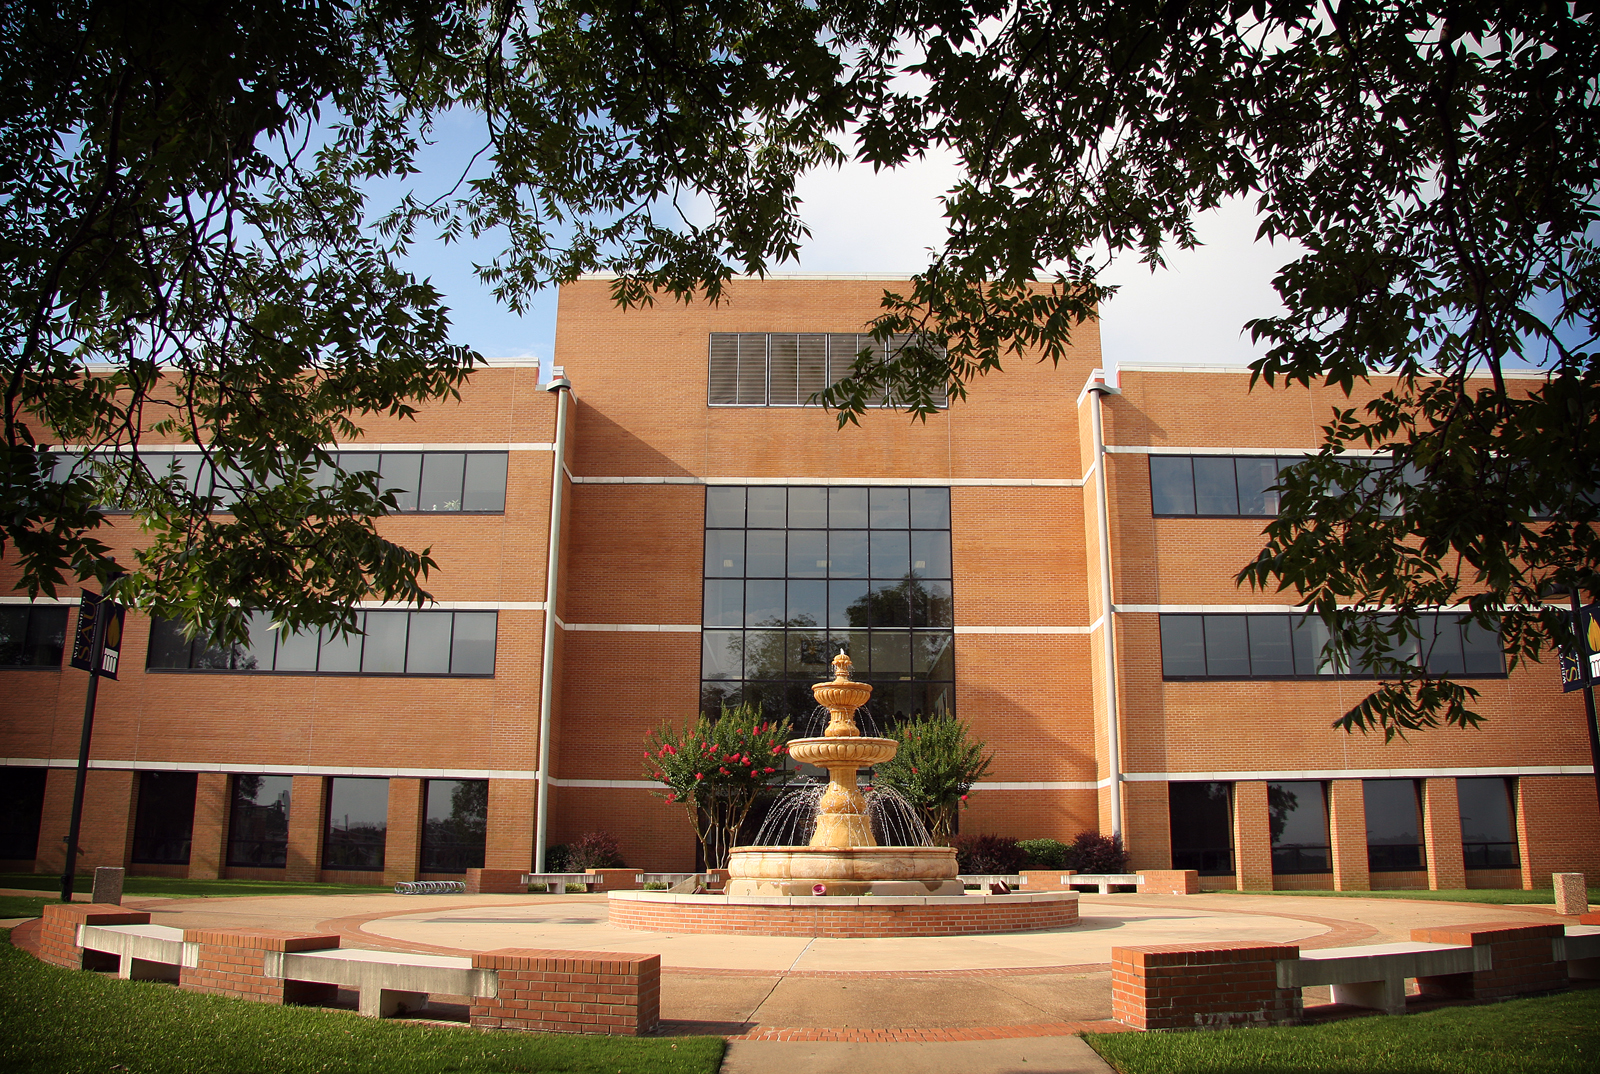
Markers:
<point>1219,486</point>
<point>455,820</point>
<point>1297,813</point>
<point>1201,819</point>
<point>258,824</point>
<point>1273,646</point>
<point>394,643</point>
<point>32,635</point>
<point>792,575</point>
<point>1394,825</point>
<point>358,823</point>
<point>164,820</point>
<point>1488,822</point>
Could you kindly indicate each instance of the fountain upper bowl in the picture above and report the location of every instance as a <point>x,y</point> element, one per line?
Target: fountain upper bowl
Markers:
<point>830,752</point>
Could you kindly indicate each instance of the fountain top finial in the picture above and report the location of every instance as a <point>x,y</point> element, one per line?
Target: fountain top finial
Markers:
<point>841,667</point>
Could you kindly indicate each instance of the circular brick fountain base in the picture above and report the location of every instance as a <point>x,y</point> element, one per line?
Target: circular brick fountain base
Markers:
<point>842,916</point>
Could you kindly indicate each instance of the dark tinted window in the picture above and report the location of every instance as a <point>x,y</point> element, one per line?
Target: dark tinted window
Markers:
<point>32,635</point>
<point>396,643</point>
<point>258,824</point>
<point>1216,488</point>
<point>1298,815</point>
<point>164,820</point>
<point>358,823</point>
<point>455,819</point>
<point>1488,822</point>
<point>21,807</point>
<point>1201,816</point>
<point>485,482</point>
<point>1171,485</point>
<point>1271,646</point>
<point>1394,825</point>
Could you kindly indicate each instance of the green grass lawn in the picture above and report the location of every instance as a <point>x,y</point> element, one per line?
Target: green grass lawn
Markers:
<point>179,888</point>
<point>1492,896</point>
<point>1543,1035</point>
<point>55,1021</point>
<point>23,906</point>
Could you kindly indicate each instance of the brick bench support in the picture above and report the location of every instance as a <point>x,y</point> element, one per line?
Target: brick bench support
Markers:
<point>1177,986</point>
<point>233,962</point>
<point>565,992</point>
<point>61,929</point>
<point>1523,959</point>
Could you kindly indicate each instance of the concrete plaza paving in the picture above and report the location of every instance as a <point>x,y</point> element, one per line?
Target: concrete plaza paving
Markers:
<point>992,1002</point>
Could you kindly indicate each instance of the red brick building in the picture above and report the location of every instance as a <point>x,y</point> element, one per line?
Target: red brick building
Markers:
<point>718,540</point>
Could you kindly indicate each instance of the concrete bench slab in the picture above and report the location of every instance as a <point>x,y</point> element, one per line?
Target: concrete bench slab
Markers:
<point>388,982</point>
<point>143,952</point>
<point>1103,881</point>
<point>1374,975</point>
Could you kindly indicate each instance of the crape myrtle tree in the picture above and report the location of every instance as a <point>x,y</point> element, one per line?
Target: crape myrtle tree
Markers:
<point>938,761</point>
<point>717,769</point>
<point>185,211</point>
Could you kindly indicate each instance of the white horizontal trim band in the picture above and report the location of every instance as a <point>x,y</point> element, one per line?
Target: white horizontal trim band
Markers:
<point>1226,609</point>
<point>360,445</point>
<point>1140,449</point>
<point>1244,370</point>
<point>40,600</point>
<point>1027,629</point>
<point>608,784</point>
<point>1060,785</point>
<point>269,769</point>
<point>633,628</point>
<point>1360,773</point>
<point>888,482</point>
<point>458,605</point>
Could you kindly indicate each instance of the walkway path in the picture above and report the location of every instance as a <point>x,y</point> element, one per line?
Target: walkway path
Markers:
<point>996,1002</point>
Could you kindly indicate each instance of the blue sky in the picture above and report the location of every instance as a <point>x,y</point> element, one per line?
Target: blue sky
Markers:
<point>866,222</point>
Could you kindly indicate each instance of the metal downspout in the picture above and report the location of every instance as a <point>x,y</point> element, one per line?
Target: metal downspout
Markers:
<point>563,388</point>
<point>1099,388</point>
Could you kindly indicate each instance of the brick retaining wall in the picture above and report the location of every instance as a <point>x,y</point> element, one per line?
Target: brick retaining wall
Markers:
<point>1524,960</point>
<point>231,962</point>
<point>1175,986</point>
<point>58,932</point>
<point>564,992</point>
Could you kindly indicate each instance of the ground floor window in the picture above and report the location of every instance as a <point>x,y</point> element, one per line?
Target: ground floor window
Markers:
<point>456,818</point>
<point>1202,827</point>
<point>1298,816</point>
<point>164,820</point>
<point>21,806</point>
<point>1488,822</point>
<point>1394,825</point>
<point>258,826</point>
<point>358,823</point>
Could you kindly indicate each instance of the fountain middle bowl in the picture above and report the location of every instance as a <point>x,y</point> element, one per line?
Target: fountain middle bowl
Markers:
<point>857,751</point>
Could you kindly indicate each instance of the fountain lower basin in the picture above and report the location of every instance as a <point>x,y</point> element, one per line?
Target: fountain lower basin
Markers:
<point>853,870</point>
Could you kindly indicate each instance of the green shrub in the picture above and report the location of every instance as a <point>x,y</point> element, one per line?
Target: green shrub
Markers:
<point>1046,854</point>
<point>594,850</point>
<point>576,889</point>
<point>988,854</point>
<point>1096,853</point>
<point>657,885</point>
<point>555,858</point>
<point>936,764</point>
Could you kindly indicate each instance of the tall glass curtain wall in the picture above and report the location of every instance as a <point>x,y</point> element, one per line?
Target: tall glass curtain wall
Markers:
<point>1488,822</point>
<point>456,815</point>
<point>793,575</point>
<point>1297,813</point>
<point>1201,816</point>
<point>258,822</point>
<point>1394,825</point>
<point>163,822</point>
<point>358,823</point>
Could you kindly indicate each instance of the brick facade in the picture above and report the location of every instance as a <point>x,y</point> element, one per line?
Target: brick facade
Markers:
<point>642,445</point>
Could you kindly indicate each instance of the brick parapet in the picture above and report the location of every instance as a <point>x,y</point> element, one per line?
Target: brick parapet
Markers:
<point>562,992</point>
<point>496,882</point>
<point>1170,882</point>
<point>1523,960</point>
<point>1176,986</point>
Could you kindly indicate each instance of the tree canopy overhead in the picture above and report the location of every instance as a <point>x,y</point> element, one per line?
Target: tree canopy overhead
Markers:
<point>186,206</point>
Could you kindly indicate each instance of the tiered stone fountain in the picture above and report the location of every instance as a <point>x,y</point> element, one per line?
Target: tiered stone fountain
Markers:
<point>843,857</point>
